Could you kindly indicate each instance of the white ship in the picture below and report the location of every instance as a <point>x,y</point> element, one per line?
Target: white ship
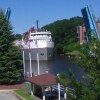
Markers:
<point>37,42</point>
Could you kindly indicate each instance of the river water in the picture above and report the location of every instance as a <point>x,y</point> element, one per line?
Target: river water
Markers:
<point>57,65</point>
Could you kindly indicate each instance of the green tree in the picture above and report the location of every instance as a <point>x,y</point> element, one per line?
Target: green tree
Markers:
<point>88,56</point>
<point>64,33</point>
<point>10,57</point>
<point>64,80</point>
<point>18,36</point>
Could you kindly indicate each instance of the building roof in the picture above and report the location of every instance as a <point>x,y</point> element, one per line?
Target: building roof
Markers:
<point>43,80</point>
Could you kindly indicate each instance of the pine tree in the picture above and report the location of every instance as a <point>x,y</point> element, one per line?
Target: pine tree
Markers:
<point>10,57</point>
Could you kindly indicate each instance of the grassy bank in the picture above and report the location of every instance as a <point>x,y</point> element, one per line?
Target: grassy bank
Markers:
<point>22,92</point>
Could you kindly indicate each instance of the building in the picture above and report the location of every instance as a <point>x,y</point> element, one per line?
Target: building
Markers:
<point>81,34</point>
<point>81,31</point>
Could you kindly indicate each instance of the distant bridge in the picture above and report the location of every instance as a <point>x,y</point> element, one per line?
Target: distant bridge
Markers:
<point>90,24</point>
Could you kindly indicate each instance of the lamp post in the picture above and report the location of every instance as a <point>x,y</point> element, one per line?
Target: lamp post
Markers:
<point>58,88</point>
<point>58,91</point>
<point>37,58</point>
<point>65,94</point>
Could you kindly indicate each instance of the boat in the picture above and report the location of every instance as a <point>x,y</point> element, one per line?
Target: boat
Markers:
<point>38,43</point>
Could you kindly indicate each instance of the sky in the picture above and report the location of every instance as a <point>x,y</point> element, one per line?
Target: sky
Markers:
<point>24,13</point>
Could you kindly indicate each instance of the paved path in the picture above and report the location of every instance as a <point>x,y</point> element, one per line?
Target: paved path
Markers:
<point>7,95</point>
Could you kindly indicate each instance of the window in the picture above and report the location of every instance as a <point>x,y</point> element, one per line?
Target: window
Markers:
<point>42,54</point>
<point>49,54</point>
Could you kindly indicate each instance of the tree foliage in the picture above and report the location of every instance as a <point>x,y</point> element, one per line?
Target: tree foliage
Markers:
<point>64,32</point>
<point>10,57</point>
<point>17,36</point>
<point>89,57</point>
<point>63,79</point>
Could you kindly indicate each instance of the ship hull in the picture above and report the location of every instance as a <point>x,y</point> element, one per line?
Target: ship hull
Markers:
<point>43,54</point>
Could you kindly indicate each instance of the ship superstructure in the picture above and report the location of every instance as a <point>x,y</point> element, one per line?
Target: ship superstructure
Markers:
<point>37,41</point>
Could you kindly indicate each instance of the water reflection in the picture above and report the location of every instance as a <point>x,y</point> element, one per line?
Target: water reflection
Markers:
<point>57,65</point>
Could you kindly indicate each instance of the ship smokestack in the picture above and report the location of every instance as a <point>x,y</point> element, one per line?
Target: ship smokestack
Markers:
<point>37,22</point>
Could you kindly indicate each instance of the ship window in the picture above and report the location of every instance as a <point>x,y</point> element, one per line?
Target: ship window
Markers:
<point>49,54</point>
<point>30,40</point>
<point>42,54</point>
